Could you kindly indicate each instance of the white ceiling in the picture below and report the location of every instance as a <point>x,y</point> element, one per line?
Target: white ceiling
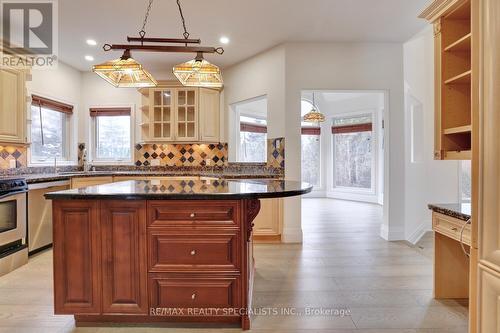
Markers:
<point>255,108</point>
<point>252,26</point>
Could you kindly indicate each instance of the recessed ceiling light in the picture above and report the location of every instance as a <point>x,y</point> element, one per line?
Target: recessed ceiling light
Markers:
<point>224,40</point>
<point>89,58</point>
<point>91,42</point>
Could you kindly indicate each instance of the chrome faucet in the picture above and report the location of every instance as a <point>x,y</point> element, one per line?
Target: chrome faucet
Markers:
<point>86,165</point>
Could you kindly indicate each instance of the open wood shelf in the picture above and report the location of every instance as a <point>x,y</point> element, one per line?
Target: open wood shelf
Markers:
<point>462,44</point>
<point>460,13</point>
<point>460,78</point>
<point>458,155</point>
<point>459,129</point>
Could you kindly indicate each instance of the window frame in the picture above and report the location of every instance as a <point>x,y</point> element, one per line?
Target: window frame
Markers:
<point>372,191</point>
<point>94,160</point>
<point>68,133</point>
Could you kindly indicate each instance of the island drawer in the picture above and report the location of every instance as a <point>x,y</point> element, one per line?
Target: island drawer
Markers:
<point>451,227</point>
<point>202,212</point>
<point>182,292</point>
<point>207,250</point>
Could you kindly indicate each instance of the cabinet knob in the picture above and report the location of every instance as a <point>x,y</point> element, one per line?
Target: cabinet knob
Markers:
<point>454,229</point>
<point>191,215</point>
<point>193,296</point>
<point>193,252</point>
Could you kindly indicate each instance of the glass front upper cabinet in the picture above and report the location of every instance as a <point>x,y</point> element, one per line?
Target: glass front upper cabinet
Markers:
<point>187,116</point>
<point>161,114</point>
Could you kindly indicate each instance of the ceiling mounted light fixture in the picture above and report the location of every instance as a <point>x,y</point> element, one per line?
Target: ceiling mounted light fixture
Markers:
<point>314,116</point>
<point>198,73</point>
<point>127,72</point>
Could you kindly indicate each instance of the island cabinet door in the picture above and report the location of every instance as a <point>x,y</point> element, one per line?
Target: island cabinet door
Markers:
<point>77,251</point>
<point>124,256</point>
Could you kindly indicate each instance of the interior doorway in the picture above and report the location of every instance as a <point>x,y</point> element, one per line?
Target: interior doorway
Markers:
<point>343,157</point>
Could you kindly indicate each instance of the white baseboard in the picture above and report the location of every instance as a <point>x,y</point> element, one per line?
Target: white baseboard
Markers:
<point>392,234</point>
<point>418,233</point>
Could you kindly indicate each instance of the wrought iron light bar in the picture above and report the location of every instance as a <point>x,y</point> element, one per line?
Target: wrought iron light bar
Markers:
<point>163,48</point>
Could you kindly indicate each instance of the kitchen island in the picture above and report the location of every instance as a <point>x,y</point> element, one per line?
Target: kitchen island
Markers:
<point>159,250</point>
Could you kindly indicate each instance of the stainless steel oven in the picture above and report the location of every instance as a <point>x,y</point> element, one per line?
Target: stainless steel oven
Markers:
<point>13,248</point>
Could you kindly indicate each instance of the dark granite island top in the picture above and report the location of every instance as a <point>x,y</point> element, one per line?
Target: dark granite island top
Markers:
<point>460,211</point>
<point>186,190</point>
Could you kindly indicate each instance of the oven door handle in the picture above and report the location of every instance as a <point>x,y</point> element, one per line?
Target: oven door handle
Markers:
<point>11,193</point>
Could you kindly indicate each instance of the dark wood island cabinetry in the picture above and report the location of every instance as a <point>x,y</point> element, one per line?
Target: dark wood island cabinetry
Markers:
<point>140,251</point>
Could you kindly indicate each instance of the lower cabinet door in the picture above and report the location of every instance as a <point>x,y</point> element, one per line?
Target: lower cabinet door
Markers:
<point>191,292</point>
<point>124,255</point>
<point>77,251</point>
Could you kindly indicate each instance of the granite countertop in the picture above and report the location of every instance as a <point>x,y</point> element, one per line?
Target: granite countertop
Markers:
<point>460,211</point>
<point>48,177</point>
<point>186,189</point>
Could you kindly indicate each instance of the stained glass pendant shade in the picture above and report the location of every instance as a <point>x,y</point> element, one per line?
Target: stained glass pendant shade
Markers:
<point>125,72</point>
<point>198,73</point>
<point>314,116</point>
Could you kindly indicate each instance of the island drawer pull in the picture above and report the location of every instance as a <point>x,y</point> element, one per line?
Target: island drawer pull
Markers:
<point>454,228</point>
<point>191,215</point>
<point>193,252</point>
<point>193,296</point>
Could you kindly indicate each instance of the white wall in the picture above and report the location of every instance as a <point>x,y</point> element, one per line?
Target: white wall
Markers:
<point>263,74</point>
<point>62,84</point>
<point>283,72</point>
<point>350,66</point>
<point>427,180</point>
<point>97,92</point>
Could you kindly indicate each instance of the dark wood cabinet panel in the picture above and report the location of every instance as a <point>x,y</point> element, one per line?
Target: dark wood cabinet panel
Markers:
<point>76,257</point>
<point>177,250</point>
<point>170,291</point>
<point>124,278</point>
<point>193,213</point>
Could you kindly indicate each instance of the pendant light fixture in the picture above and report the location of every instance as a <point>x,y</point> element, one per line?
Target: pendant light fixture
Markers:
<point>127,72</point>
<point>198,73</point>
<point>314,116</point>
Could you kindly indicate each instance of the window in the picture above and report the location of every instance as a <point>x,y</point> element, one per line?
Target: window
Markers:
<point>253,139</point>
<point>112,134</point>
<point>311,148</point>
<point>353,152</point>
<point>465,181</point>
<point>49,130</point>
<point>311,156</point>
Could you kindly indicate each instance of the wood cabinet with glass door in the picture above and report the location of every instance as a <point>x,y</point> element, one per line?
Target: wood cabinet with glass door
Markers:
<point>186,111</point>
<point>173,114</point>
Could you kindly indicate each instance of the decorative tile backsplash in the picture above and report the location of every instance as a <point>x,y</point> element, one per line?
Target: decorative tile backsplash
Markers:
<point>276,153</point>
<point>181,154</point>
<point>8,153</point>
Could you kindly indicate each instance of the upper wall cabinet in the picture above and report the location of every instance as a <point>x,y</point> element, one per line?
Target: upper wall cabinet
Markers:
<point>456,76</point>
<point>180,114</point>
<point>12,105</point>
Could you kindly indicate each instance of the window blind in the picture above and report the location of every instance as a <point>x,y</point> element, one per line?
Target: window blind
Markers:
<point>51,104</point>
<point>110,112</point>
<point>367,127</point>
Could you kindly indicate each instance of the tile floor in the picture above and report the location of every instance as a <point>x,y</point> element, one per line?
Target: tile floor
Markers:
<point>343,265</point>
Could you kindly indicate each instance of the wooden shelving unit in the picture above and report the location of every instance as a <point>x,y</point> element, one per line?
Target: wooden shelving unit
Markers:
<point>455,76</point>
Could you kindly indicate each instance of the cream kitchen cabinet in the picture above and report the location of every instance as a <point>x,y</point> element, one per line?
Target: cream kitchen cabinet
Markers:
<point>90,181</point>
<point>174,114</point>
<point>489,191</point>
<point>12,105</point>
<point>268,223</point>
